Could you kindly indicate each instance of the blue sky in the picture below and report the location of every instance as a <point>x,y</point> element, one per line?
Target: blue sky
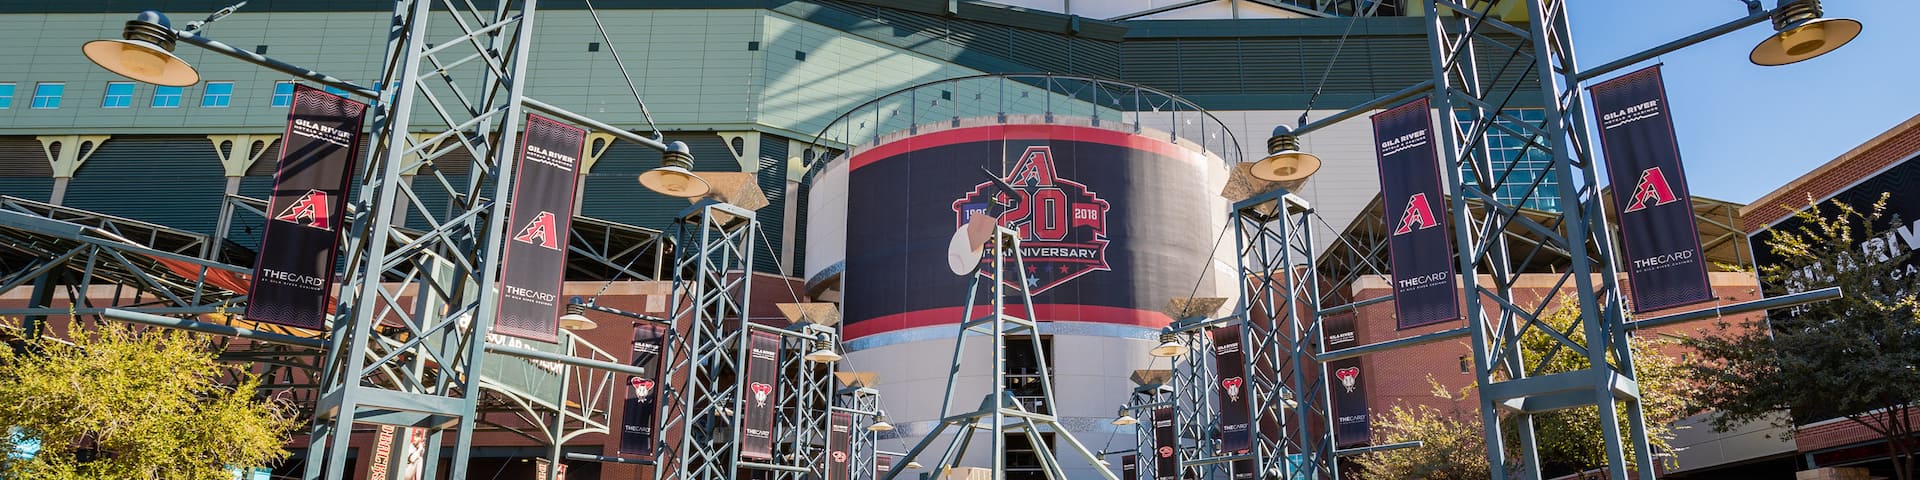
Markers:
<point>1745,130</point>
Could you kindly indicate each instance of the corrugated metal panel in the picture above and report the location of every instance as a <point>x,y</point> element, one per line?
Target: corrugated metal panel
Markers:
<point>269,160</point>
<point>1275,72</point>
<point>773,181</point>
<point>170,180</point>
<point>614,193</point>
<point>30,188</point>
<point>23,157</point>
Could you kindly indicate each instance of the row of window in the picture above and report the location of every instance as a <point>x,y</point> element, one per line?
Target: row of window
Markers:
<point>47,95</point>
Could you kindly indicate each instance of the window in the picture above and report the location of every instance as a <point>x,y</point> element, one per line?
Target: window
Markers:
<point>6,95</point>
<point>217,95</point>
<point>119,95</point>
<point>47,95</point>
<point>283,94</point>
<point>1023,372</point>
<point>166,97</point>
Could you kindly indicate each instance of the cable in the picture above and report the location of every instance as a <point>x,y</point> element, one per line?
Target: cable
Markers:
<point>623,70</point>
<point>1202,277</point>
<point>1329,71</point>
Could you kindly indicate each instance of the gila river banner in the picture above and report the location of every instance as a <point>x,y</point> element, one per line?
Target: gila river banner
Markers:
<point>1422,251</point>
<point>536,259</point>
<point>1665,266</point>
<point>293,275</point>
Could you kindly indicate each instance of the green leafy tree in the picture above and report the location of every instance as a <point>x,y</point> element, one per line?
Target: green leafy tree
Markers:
<point>128,404</point>
<point>1854,357</point>
<point>1569,439</point>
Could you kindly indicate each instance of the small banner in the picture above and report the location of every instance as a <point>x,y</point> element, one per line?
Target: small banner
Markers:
<point>1233,390</point>
<point>840,447</point>
<point>380,466</point>
<point>535,263</point>
<point>1244,469</point>
<point>1352,425</point>
<point>293,275</point>
<point>1665,265</point>
<point>1165,450</point>
<point>1129,470</point>
<point>542,468</point>
<point>1423,284</point>
<point>762,395</point>
<point>882,464</point>
<point>413,458</point>
<point>637,419</point>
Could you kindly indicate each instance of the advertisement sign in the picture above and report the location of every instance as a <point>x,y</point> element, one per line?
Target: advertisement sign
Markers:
<point>399,453</point>
<point>536,258</point>
<point>1244,469</point>
<point>1352,424</point>
<point>840,446</point>
<point>1165,447</point>
<point>1104,217</point>
<point>762,395</point>
<point>542,468</point>
<point>882,464</point>
<point>380,465</point>
<point>1414,197</point>
<point>1129,470</point>
<point>1665,265</point>
<point>638,416</point>
<point>1900,227</point>
<point>293,275</point>
<point>1233,390</point>
<point>413,455</point>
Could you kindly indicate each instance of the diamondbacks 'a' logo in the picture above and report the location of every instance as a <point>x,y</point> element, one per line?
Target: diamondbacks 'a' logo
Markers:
<point>310,210</point>
<point>1651,187</point>
<point>1232,385</point>
<point>540,232</point>
<point>760,393</point>
<point>1349,378</point>
<point>1062,223</point>
<point>1418,216</point>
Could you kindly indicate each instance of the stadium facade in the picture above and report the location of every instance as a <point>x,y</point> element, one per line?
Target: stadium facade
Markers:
<point>747,84</point>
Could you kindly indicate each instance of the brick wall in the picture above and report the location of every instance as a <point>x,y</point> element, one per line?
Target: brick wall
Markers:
<point>1898,143</point>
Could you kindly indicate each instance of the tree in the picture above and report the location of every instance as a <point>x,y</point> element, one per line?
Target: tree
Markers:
<point>1568,439</point>
<point>1854,357</point>
<point>123,403</point>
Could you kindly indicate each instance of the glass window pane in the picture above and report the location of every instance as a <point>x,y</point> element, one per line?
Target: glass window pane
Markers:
<point>217,95</point>
<point>119,95</point>
<point>166,97</point>
<point>47,95</point>
<point>282,94</point>
<point>6,95</point>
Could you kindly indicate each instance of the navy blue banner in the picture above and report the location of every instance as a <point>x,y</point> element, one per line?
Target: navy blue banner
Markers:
<point>638,416</point>
<point>762,397</point>
<point>1665,266</point>
<point>840,446</point>
<point>536,259</point>
<point>1422,251</point>
<point>1899,227</point>
<point>292,281</point>
<point>1233,390</point>
<point>1165,448</point>
<point>1352,425</point>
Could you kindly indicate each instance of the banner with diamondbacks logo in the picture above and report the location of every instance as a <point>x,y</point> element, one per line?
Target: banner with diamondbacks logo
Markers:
<point>536,259</point>
<point>1352,425</point>
<point>1665,266</point>
<point>1423,283</point>
<point>1128,467</point>
<point>293,275</point>
<point>1166,450</point>
<point>762,395</point>
<point>637,416</point>
<point>840,447</point>
<point>1233,390</point>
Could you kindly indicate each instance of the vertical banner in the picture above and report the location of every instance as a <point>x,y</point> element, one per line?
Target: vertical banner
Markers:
<point>1243,469</point>
<point>1129,468</point>
<point>762,395</point>
<point>840,447</point>
<point>380,465</point>
<point>535,262</point>
<point>1352,424</point>
<point>1233,390</point>
<point>637,416</point>
<point>542,467</point>
<point>1166,463</point>
<point>293,275</point>
<point>1423,284</point>
<point>1664,263</point>
<point>882,464</point>
<point>413,458</point>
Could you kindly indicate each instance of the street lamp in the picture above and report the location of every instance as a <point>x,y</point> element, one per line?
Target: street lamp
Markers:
<point>675,175</point>
<point>823,351</point>
<point>1170,346</point>
<point>880,422</point>
<point>576,318</point>
<point>1800,34</point>
<point>145,54</point>
<point>1285,162</point>
<point>1124,418</point>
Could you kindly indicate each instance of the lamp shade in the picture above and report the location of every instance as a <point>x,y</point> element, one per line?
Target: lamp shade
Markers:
<point>145,54</point>
<point>1800,34</point>
<point>1170,346</point>
<point>1285,162</point>
<point>577,322</point>
<point>675,177</point>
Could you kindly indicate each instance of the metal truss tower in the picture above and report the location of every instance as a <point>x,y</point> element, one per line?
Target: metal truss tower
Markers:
<point>1011,313</point>
<point>1481,65</point>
